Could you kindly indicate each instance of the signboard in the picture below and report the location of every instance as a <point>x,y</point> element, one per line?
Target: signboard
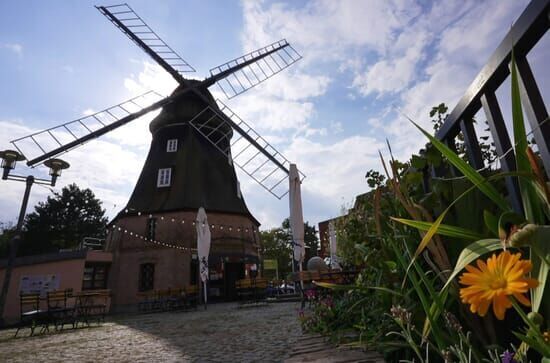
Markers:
<point>270,265</point>
<point>39,283</point>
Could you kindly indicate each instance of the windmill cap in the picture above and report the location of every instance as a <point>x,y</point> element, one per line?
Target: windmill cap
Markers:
<point>190,107</point>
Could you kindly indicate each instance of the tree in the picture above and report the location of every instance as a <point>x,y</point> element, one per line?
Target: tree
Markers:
<point>276,244</point>
<point>7,231</point>
<point>62,221</point>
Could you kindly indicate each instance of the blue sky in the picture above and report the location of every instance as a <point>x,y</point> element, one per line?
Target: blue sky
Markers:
<point>330,113</point>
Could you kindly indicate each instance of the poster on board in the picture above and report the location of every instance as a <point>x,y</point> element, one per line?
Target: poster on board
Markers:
<point>39,283</point>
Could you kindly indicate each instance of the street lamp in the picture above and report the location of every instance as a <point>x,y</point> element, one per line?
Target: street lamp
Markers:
<point>9,159</point>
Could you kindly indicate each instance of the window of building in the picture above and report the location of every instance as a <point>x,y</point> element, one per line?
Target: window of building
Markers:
<point>151,228</point>
<point>164,177</point>
<point>172,145</point>
<point>95,276</point>
<point>146,276</point>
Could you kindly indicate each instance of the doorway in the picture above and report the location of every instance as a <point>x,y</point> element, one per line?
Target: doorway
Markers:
<point>233,271</point>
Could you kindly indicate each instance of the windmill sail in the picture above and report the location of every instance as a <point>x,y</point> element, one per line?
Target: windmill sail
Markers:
<point>243,73</point>
<point>131,24</point>
<point>249,151</point>
<point>48,143</point>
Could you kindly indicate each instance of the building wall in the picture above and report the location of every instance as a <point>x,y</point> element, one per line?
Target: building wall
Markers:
<point>70,276</point>
<point>233,236</point>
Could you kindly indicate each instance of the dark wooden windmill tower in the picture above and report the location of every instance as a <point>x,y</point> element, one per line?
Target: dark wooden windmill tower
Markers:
<point>196,141</point>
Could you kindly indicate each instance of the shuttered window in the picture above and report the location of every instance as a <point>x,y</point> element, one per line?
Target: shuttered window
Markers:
<point>172,145</point>
<point>164,177</point>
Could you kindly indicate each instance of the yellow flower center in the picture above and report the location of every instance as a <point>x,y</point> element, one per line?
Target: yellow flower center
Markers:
<point>498,283</point>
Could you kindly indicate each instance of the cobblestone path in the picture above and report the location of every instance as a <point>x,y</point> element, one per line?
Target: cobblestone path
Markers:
<point>223,333</point>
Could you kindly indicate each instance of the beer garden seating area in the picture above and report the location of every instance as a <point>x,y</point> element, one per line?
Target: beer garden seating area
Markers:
<point>169,299</point>
<point>63,307</point>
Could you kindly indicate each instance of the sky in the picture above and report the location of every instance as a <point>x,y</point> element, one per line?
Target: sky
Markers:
<point>365,64</point>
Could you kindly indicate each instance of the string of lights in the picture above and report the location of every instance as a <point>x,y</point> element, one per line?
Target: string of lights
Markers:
<point>146,239</point>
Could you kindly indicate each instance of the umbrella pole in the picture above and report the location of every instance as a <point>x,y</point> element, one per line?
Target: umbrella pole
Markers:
<point>205,295</point>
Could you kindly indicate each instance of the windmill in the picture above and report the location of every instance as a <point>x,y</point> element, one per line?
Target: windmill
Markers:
<point>196,142</point>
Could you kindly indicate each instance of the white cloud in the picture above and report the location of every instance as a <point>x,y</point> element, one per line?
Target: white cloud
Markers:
<point>14,47</point>
<point>392,74</point>
<point>109,169</point>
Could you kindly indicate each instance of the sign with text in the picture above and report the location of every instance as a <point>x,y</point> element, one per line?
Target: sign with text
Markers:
<point>38,283</point>
<point>270,264</point>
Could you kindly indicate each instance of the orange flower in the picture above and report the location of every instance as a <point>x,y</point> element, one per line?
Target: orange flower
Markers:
<point>494,281</point>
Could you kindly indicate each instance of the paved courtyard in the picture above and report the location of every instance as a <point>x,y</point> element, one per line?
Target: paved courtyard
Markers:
<point>223,333</point>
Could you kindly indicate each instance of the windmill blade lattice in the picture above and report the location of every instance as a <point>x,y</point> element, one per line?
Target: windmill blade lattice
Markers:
<point>271,172</point>
<point>131,24</point>
<point>44,144</point>
<point>243,73</point>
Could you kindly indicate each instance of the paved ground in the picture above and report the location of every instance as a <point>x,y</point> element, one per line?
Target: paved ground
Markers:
<point>223,333</point>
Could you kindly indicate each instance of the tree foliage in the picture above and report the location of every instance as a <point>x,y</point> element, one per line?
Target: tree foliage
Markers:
<point>7,231</point>
<point>62,221</point>
<point>276,244</point>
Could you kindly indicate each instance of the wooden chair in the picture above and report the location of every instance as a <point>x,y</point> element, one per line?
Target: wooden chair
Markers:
<point>176,299</point>
<point>92,305</point>
<point>59,311</point>
<point>30,313</point>
<point>191,296</point>
<point>147,301</point>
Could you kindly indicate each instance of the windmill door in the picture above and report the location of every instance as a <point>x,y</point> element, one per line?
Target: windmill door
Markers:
<point>233,271</point>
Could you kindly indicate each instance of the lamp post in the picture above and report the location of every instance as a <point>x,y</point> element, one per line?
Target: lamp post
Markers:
<point>9,160</point>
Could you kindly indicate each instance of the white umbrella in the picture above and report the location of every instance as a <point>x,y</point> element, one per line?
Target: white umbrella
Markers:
<point>332,244</point>
<point>296,214</point>
<point>203,246</point>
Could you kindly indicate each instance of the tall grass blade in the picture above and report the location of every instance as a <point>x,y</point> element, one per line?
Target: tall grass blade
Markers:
<point>473,175</point>
<point>444,229</point>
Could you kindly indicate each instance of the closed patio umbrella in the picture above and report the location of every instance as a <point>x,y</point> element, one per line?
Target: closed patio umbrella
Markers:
<point>334,264</point>
<point>296,216</point>
<point>203,247</point>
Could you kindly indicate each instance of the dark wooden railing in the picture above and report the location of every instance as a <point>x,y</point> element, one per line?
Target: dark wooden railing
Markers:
<point>522,37</point>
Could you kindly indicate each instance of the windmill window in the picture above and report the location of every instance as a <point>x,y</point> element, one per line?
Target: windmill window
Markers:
<point>164,177</point>
<point>172,145</point>
<point>146,276</point>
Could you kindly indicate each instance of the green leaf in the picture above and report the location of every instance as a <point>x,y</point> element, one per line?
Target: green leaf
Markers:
<point>506,221</point>
<point>531,203</point>
<point>471,253</point>
<point>479,181</point>
<point>418,162</point>
<point>528,193</point>
<point>329,285</point>
<point>444,229</point>
<point>491,222</point>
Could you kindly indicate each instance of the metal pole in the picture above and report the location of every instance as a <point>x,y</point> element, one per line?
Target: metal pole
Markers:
<point>205,295</point>
<point>13,248</point>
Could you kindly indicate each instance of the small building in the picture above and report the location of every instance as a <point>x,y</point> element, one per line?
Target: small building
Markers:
<point>77,270</point>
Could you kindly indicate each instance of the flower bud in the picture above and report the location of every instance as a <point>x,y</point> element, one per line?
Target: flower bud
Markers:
<point>536,318</point>
<point>524,236</point>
